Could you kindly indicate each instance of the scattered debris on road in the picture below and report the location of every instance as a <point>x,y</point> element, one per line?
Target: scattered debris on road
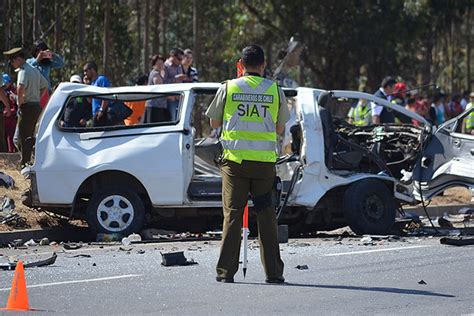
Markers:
<point>175,259</point>
<point>459,241</point>
<point>422,282</point>
<point>41,263</point>
<point>44,241</point>
<point>133,238</point>
<point>302,267</point>
<point>366,241</point>
<point>72,246</point>
<point>30,243</point>
<point>81,255</point>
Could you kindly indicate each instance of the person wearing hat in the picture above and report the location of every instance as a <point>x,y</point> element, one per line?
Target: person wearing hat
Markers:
<point>75,79</point>
<point>4,106</point>
<point>251,110</point>
<point>469,120</point>
<point>30,86</point>
<point>78,110</point>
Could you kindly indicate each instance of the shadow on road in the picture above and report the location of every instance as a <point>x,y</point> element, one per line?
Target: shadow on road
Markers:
<point>358,288</point>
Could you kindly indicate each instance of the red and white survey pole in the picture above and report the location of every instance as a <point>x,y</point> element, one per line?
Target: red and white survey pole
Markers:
<point>245,232</point>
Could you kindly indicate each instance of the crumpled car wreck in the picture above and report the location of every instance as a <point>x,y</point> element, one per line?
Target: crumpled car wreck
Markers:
<point>120,177</point>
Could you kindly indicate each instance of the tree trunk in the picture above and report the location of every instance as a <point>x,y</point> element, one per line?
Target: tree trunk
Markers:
<point>23,23</point>
<point>177,26</point>
<point>428,60</point>
<point>468,48</point>
<point>80,29</point>
<point>196,37</point>
<point>451,57</point>
<point>139,31</point>
<point>156,28</point>
<point>36,19</point>
<point>6,25</point>
<point>105,56</point>
<point>145,36</point>
<point>164,20</point>
<point>57,26</point>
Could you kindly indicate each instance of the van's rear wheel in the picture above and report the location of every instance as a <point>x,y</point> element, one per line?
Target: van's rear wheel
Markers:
<point>369,207</point>
<point>115,210</point>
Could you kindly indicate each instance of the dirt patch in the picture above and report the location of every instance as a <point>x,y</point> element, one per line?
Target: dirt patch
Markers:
<point>33,219</point>
<point>453,196</point>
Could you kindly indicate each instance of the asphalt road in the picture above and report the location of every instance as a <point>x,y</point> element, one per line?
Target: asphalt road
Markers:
<point>343,277</point>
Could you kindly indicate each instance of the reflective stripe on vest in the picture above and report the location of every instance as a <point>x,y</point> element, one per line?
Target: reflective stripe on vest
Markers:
<point>360,117</point>
<point>250,115</point>
<point>470,117</point>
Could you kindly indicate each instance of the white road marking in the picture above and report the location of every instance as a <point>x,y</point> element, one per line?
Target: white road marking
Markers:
<point>368,251</point>
<point>79,281</point>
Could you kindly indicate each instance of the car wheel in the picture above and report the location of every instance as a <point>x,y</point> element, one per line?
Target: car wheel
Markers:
<point>369,207</point>
<point>115,210</point>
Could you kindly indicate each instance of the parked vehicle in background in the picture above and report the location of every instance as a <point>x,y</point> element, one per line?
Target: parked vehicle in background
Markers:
<point>120,177</point>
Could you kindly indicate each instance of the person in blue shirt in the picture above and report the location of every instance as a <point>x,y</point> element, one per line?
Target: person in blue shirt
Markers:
<point>99,106</point>
<point>44,60</point>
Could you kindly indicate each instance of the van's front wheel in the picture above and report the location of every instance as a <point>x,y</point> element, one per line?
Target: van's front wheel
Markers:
<point>115,210</point>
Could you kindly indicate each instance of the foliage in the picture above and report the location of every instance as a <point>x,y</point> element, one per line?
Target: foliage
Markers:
<point>416,40</point>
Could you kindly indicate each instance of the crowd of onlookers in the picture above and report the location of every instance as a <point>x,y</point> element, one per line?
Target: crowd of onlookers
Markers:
<point>435,108</point>
<point>177,68</point>
<point>22,102</point>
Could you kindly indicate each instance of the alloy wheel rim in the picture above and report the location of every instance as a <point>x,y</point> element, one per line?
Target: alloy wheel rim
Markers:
<point>115,213</point>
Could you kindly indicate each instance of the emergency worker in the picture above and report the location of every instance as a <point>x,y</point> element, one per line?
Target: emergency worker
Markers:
<point>469,120</point>
<point>252,110</point>
<point>360,114</point>
<point>31,84</point>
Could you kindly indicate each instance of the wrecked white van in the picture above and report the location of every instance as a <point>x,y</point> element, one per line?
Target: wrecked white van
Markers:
<point>120,178</point>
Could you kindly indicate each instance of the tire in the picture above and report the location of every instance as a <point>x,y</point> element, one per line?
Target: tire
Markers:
<point>369,207</point>
<point>115,210</point>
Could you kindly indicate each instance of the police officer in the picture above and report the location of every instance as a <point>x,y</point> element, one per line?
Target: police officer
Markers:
<point>360,114</point>
<point>30,86</point>
<point>251,110</point>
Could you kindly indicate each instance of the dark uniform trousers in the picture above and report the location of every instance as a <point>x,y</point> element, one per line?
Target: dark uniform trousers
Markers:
<point>27,119</point>
<point>237,181</point>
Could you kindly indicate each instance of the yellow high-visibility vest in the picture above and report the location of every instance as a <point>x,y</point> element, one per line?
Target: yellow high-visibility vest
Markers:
<point>470,118</point>
<point>250,116</point>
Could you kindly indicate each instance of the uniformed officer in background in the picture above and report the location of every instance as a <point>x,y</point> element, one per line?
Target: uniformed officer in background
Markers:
<point>251,110</point>
<point>31,84</point>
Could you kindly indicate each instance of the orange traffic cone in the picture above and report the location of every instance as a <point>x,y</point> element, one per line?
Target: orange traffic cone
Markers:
<point>18,298</point>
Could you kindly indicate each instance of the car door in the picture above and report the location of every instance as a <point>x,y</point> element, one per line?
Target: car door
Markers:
<point>447,160</point>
